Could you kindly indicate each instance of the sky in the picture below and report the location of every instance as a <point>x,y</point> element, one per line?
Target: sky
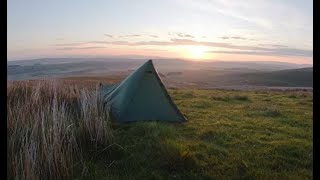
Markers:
<point>232,30</point>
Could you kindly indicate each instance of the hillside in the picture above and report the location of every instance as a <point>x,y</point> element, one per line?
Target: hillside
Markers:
<point>302,77</point>
<point>62,133</point>
<point>293,77</point>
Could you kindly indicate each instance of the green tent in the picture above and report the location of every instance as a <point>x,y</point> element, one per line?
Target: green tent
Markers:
<point>141,96</point>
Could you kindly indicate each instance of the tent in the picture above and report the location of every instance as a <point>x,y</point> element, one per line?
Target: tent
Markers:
<point>141,96</point>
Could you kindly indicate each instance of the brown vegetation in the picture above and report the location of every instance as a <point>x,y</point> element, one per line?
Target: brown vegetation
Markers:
<point>50,125</point>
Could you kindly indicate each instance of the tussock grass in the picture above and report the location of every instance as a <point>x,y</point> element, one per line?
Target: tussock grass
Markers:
<point>50,125</point>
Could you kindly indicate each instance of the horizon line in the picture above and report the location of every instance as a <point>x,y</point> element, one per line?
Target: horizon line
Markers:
<point>140,57</point>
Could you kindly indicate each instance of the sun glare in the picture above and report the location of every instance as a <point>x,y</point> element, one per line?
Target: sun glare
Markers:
<point>196,52</point>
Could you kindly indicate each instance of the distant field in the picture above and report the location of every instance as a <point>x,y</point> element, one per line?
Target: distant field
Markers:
<point>229,135</point>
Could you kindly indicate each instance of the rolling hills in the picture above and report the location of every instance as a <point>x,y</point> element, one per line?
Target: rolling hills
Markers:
<point>175,73</point>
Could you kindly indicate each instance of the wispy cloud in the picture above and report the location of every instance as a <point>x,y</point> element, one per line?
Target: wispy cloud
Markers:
<point>154,36</point>
<point>118,43</point>
<point>123,36</point>
<point>157,50</point>
<point>215,44</point>
<point>224,37</point>
<point>134,35</point>
<point>176,34</point>
<point>130,35</point>
<point>238,37</point>
<point>271,52</point>
<point>180,34</point>
<point>109,35</point>
<point>73,48</point>
<point>235,37</point>
<point>185,35</point>
<point>69,44</point>
<point>274,45</point>
<point>93,42</point>
<point>271,49</point>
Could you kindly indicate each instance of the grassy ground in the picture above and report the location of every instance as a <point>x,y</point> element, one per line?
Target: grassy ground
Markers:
<point>229,135</point>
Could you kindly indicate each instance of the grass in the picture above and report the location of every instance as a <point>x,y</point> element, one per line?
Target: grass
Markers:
<point>230,98</point>
<point>51,129</point>
<point>229,135</point>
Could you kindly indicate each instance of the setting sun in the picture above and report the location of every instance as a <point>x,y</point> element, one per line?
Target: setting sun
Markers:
<point>196,52</point>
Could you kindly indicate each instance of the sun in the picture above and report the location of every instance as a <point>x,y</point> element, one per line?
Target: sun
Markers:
<point>197,52</point>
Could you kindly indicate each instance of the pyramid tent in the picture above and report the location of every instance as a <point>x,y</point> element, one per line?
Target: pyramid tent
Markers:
<point>141,96</point>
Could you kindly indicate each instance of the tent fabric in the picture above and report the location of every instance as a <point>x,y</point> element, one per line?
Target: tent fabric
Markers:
<point>141,96</point>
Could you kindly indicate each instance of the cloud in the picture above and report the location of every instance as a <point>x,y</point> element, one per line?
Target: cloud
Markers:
<point>185,35</point>
<point>271,49</point>
<point>94,42</point>
<point>109,35</point>
<point>119,43</point>
<point>152,43</point>
<point>181,35</point>
<point>274,45</point>
<point>179,42</point>
<point>73,48</point>
<point>255,49</point>
<point>156,50</point>
<point>123,36</point>
<point>293,51</point>
<point>68,44</point>
<point>131,35</point>
<point>236,37</point>
<point>215,44</point>
<point>271,52</point>
<point>184,41</point>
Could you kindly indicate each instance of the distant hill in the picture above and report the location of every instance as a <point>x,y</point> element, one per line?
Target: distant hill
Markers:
<point>175,72</point>
<point>162,63</point>
<point>292,77</point>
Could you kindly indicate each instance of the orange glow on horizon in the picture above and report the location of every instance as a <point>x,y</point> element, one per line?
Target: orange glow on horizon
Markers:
<point>195,53</point>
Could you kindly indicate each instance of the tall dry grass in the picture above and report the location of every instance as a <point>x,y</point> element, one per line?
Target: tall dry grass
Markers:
<point>50,126</point>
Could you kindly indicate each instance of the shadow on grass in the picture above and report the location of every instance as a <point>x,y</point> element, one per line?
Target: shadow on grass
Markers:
<point>146,147</point>
<point>216,137</point>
